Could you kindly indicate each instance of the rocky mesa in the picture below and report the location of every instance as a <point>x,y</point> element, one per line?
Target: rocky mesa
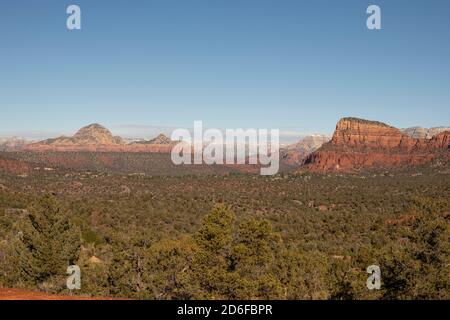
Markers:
<point>362,144</point>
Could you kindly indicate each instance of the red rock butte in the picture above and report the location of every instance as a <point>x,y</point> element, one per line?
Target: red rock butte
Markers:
<point>362,144</point>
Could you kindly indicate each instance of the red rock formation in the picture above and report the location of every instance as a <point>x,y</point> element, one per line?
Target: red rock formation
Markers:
<point>440,141</point>
<point>360,144</point>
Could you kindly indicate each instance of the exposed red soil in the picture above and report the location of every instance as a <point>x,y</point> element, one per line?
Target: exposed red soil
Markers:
<point>18,294</point>
<point>403,220</point>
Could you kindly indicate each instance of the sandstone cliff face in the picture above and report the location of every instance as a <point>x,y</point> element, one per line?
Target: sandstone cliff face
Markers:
<point>440,141</point>
<point>360,144</point>
<point>357,133</point>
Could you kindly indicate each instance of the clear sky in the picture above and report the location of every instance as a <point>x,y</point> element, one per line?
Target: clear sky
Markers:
<point>289,64</point>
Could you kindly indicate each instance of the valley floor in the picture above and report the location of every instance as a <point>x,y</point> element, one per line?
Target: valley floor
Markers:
<point>290,236</point>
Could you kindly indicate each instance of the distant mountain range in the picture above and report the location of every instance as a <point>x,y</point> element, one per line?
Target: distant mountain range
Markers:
<point>424,133</point>
<point>294,154</point>
<point>12,144</point>
<point>160,139</point>
<point>96,138</point>
<point>356,144</point>
<point>93,134</point>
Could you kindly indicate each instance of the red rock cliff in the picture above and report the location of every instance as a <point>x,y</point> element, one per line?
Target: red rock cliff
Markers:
<point>360,144</point>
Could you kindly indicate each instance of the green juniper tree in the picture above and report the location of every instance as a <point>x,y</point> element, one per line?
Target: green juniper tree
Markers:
<point>253,261</point>
<point>170,267</point>
<point>214,240</point>
<point>128,268</point>
<point>420,269</point>
<point>236,261</point>
<point>47,244</point>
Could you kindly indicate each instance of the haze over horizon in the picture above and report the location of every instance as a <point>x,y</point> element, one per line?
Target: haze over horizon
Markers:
<point>152,66</point>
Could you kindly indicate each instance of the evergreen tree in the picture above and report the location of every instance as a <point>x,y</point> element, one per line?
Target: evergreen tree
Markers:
<point>170,269</point>
<point>253,261</point>
<point>47,244</point>
<point>214,240</point>
<point>236,261</point>
<point>127,271</point>
<point>216,233</point>
<point>419,270</point>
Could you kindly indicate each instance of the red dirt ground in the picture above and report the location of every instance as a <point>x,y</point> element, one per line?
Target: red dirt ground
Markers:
<point>18,294</point>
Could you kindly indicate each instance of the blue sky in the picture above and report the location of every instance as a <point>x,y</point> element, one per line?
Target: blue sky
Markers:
<point>294,65</point>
